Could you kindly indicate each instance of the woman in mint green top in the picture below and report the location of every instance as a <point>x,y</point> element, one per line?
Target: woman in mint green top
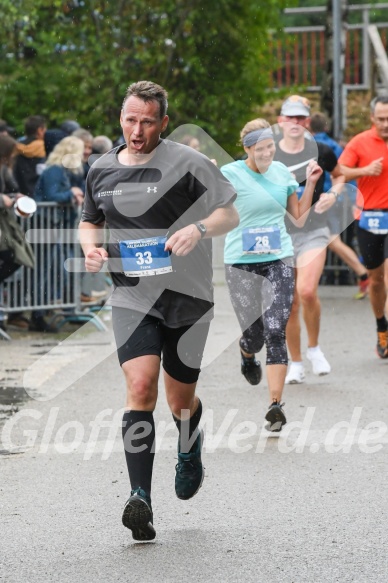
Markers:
<point>259,257</point>
<point>265,208</point>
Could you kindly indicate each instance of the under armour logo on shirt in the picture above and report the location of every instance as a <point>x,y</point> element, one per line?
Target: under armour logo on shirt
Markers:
<point>154,189</point>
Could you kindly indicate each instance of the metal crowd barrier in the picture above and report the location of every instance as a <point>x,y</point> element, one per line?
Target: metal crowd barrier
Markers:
<point>49,286</point>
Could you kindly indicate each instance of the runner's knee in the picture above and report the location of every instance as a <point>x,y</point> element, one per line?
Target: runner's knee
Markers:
<point>141,393</point>
<point>308,295</point>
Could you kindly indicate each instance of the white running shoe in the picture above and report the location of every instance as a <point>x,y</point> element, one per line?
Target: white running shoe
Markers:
<point>318,360</point>
<point>295,375</point>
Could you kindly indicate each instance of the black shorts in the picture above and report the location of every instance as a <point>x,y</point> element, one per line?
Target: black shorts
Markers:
<point>373,248</point>
<point>139,335</point>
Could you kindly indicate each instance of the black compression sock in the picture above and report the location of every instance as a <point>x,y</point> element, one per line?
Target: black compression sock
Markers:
<point>382,324</point>
<point>187,428</point>
<point>139,459</point>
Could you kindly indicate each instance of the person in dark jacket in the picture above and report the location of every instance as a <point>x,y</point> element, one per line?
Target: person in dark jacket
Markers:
<point>9,192</point>
<point>53,136</point>
<point>32,154</point>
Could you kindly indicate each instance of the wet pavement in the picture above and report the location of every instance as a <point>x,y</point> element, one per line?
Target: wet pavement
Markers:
<point>15,357</point>
<point>309,506</point>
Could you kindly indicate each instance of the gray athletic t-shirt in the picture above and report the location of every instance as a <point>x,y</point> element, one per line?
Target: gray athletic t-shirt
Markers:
<point>297,164</point>
<point>177,187</point>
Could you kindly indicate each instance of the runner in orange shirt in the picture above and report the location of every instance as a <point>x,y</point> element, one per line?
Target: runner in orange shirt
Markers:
<point>365,159</point>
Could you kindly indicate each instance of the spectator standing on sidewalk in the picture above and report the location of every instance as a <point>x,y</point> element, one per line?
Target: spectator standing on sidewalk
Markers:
<point>9,189</point>
<point>53,136</point>
<point>162,203</point>
<point>60,182</point>
<point>9,193</point>
<point>296,151</point>
<point>365,159</point>
<point>87,139</point>
<point>29,164</point>
<point>31,154</point>
<point>90,282</point>
<point>101,144</point>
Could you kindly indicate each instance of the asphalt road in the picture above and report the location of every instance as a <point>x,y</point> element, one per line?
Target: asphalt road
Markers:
<point>309,506</point>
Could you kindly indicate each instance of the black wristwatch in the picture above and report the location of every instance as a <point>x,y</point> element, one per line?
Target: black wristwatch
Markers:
<point>201,228</point>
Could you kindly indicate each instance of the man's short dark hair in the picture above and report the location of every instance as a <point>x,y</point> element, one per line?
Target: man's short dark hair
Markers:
<point>376,100</point>
<point>33,123</point>
<point>148,91</point>
<point>318,123</point>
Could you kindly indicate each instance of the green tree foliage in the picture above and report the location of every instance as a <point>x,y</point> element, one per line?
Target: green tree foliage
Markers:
<point>75,59</point>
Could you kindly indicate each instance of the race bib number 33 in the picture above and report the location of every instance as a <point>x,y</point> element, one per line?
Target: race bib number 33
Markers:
<point>261,240</point>
<point>145,257</point>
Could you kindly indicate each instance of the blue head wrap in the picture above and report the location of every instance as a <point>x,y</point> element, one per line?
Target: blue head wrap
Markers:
<point>257,136</point>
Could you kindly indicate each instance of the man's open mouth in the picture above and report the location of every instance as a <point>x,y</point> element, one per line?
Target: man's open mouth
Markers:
<point>137,144</point>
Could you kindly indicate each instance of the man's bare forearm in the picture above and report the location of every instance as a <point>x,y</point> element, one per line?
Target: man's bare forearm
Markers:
<point>221,221</point>
<point>91,236</point>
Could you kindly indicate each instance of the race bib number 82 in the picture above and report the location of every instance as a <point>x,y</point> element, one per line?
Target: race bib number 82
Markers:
<point>375,222</point>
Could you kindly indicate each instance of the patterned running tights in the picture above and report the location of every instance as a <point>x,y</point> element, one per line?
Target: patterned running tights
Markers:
<point>262,295</point>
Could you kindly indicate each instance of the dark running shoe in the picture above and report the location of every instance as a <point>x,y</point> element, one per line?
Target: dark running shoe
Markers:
<point>189,470</point>
<point>138,517</point>
<point>382,344</point>
<point>275,417</point>
<point>251,369</point>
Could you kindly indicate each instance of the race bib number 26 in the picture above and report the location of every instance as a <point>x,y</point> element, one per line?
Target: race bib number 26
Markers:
<point>145,257</point>
<point>261,240</point>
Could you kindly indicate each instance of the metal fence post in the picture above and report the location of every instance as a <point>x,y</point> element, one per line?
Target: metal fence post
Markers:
<point>365,49</point>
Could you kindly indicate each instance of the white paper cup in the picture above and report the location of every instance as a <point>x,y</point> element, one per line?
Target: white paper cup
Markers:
<point>24,207</point>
